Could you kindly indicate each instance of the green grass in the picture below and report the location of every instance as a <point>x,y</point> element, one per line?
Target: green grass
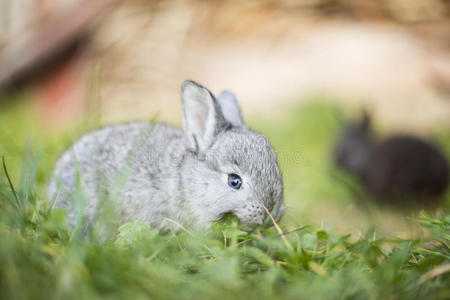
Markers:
<point>40,259</point>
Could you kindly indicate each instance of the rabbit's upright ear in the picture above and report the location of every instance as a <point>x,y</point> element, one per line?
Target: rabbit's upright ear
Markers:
<point>202,118</point>
<point>230,108</point>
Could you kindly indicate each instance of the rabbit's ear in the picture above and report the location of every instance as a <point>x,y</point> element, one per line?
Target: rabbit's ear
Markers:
<point>230,108</point>
<point>202,119</point>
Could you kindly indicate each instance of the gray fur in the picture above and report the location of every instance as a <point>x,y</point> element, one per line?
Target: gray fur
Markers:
<point>155,172</point>
<point>230,108</point>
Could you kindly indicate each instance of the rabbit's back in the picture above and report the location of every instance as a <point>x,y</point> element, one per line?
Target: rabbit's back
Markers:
<point>117,162</point>
<point>404,166</point>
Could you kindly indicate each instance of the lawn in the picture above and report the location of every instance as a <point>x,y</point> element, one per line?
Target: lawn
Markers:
<point>323,253</point>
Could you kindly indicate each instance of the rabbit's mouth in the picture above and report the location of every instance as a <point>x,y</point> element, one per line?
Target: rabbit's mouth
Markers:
<point>230,217</point>
<point>227,216</point>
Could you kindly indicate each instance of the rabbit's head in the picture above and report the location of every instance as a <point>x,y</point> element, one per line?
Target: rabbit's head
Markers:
<point>232,169</point>
<point>354,146</point>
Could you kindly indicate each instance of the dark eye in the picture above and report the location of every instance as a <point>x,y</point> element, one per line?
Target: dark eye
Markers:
<point>234,181</point>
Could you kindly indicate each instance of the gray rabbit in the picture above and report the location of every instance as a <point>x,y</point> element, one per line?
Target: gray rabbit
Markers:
<point>400,170</point>
<point>155,173</point>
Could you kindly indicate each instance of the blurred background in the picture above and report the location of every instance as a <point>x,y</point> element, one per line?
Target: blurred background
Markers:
<point>297,67</point>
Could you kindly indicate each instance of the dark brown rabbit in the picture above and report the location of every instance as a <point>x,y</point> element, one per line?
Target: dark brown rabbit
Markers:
<point>399,170</point>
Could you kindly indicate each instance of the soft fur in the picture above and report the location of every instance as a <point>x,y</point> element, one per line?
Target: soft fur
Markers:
<point>155,172</point>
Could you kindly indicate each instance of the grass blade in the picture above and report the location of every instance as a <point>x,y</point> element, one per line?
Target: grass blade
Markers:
<point>11,186</point>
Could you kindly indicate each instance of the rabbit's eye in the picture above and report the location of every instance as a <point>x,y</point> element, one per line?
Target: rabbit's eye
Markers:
<point>234,181</point>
